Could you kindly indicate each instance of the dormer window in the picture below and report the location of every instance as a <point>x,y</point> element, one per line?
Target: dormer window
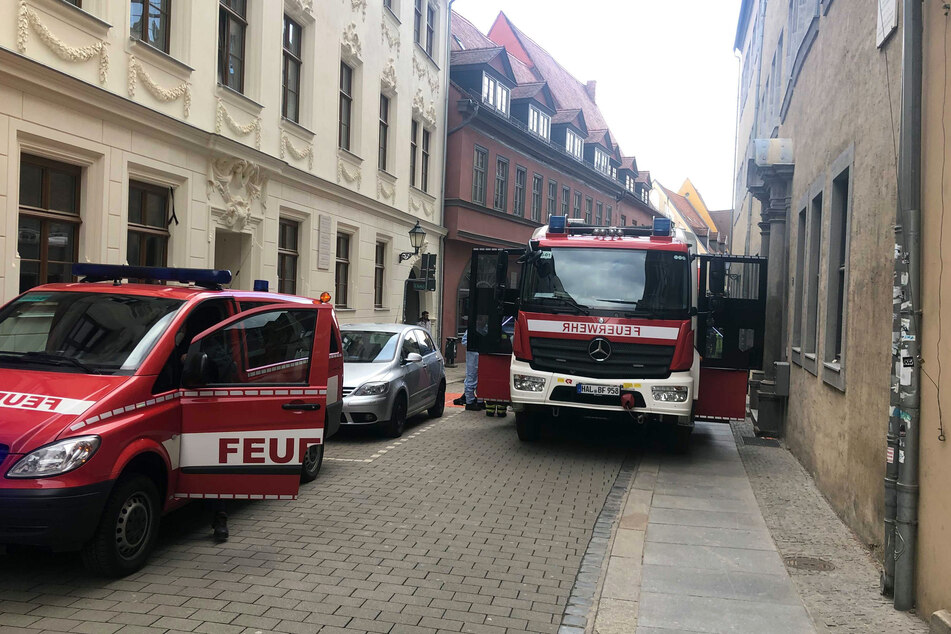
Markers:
<point>629,184</point>
<point>574,145</point>
<point>495,94</point>
<point>602,162</point>
<point>539,122</point>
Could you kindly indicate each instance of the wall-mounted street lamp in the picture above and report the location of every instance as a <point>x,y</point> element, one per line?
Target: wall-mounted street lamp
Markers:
<point>416,238</point>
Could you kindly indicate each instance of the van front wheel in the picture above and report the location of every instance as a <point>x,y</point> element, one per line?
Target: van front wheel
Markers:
<point>127,529</point>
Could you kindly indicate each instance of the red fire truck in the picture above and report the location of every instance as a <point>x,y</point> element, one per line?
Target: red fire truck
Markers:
<point>616,319</point>
<point>120,402</point>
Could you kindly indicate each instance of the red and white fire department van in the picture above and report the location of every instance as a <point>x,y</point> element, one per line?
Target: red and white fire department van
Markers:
<point>120,402</point>
<point>616,319</point>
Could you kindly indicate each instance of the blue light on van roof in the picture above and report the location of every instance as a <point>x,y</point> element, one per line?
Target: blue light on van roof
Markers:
<point>556,224</point>
<point>103,272</point>
<point>662,226</point>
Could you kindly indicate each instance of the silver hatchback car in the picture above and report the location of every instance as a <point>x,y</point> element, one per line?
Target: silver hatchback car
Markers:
<point>390,372</point>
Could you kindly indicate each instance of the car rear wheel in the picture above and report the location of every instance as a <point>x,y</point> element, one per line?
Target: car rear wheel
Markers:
<point>394,427</point>
<point>127,529</point>
<point>527,426</point>
<point>313,459</point>
<point>439,406</point>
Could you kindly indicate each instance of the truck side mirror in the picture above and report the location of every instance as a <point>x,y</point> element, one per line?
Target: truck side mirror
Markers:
<point>717,277</point>
<point>197,370</point>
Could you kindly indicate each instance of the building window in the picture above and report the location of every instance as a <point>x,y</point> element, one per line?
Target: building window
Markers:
<point>346,106</point>
<point>599,218</point>
<point>629,184</point>
<point>537,184</point>
<point>232,24</point>
<point>430,28</point>
<point>150,22</point>
<point>552,198</point>
<point>623,220</point>
<point>588,205</point>
<point>501,183</point>
<point>418,22</point>
<point>147,243</point>
<point>379,274</point>
<point>342,271</point>
<point>521,176</point>
<point>608,217</point>
<point>287,250</point>
<point>799,285</point>
<point>495,94</point>
<point>49,221</point>
<point>565,202</point>
<point>810,334</point>
<point>413,151</point>
<point>479,165</point>
<point>577,204</point>
<point>424,165</point>
<point>290,97</point>
<point>574,144</point>
<point>539,122</point>
<point>384,131</point>
<point>602,161</point>
<point>838,265</point>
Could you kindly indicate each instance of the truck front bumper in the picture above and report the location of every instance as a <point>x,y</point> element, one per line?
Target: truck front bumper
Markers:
<point>561,390</point>
<point>58,519</point>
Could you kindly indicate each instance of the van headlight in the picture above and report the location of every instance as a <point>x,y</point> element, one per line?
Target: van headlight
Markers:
<point>526,383</point>
<point>670,394</point>
<point>56,458</point>
<point>371,389</point>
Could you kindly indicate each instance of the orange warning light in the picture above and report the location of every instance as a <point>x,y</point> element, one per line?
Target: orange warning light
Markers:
<point>324,297</point>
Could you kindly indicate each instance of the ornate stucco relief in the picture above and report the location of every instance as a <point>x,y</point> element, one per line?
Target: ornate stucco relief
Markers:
<point>351,175</point>
<point>385,190</point>
<point>419,204</point>
<point>359,6</point>
<point>302,6</point>
<point>391,37</point>
<point>183,90</point>
<point>351,49</point>
<point>424,112</point>
<point>289,148</point>
<point>388,78</point>
<point>223,117</point>
<point>238,183</point>
<point>28,19</point>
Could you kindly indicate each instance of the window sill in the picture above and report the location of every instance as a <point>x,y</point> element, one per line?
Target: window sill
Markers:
<point>293,126</point>
<point>344,309</point>
<point>426,195</point>
<point>391,178</point>
<point>809,363</point>
<point>160,58</point>
<point>349,156</point>
<point>833,374</point>
<point>235,98</point>
<point>381,309</point>
<point>832,367</point>
<point>422,51</point>
<point>75,16</point>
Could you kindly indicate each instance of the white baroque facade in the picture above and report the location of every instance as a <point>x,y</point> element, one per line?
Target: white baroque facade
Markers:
<point>90,109</point>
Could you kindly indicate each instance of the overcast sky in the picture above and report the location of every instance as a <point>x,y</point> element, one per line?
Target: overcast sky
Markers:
<point>666,76</point>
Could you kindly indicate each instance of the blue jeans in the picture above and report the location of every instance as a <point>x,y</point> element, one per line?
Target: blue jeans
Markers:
<point>472,375</point>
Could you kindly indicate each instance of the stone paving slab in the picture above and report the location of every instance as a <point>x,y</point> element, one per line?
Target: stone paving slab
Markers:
<point>705,614</point>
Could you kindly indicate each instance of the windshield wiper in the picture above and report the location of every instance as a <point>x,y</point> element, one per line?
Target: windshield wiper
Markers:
<point>568,299</point>
<point>48,359</point>
<point>617,301</point>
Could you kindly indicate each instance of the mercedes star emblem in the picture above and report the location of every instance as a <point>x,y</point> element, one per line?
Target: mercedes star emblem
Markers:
<point>599,349</point>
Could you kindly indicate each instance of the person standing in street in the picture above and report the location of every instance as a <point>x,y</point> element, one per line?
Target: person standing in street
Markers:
<point>471,383</point>
<point>425,322</point>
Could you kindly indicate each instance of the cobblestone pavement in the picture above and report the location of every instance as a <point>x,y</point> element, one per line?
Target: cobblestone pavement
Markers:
<point>801,521</point>
<point>455,527</point>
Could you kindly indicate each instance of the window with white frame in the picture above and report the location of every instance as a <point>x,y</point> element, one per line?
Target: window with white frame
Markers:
<point>379,274</point>
<point>629,184</point>
<point>342,271</point>
<point>574,144</point>
<point>565,202</point>
<point>287,255</point>
<point>495,94</point>
<point>539,122</point>
<point>424,164</point>
<point>424,25</point>
<point>552,198</point>
<point>537,182</point>
<point>501,183</point>
<point>837,283</point>
<point>602,162</point>
<point>479,167</point>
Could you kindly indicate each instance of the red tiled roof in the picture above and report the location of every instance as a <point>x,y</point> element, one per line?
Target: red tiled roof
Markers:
<point>527,91</point>
<point>574,117</point>
<point>467,34</point>
<point>569,93</point>
<point>643,176</point>
<point>686,210</point>
<point>628,163</point>
<point>523,74</point>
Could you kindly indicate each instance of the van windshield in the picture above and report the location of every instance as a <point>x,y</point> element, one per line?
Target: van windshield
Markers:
<point>652,284</point>
<point>95,333</point>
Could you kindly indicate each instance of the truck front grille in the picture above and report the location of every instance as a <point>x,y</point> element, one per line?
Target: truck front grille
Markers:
<point>627,360</point>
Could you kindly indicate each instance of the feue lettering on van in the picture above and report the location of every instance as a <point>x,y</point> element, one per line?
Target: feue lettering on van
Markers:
<point>43,403</point>
<point>260,447</point>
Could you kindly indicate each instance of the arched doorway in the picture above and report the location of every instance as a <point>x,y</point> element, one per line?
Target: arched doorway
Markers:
<point>412,300</point>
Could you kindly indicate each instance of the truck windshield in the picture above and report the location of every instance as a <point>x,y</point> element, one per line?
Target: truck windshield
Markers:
<point>629,282</point>
<point>95,333</point>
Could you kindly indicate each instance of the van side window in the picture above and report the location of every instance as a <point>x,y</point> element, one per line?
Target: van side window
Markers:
<point>334,336</point>
<point>201,318</point>
<point>248,305</point>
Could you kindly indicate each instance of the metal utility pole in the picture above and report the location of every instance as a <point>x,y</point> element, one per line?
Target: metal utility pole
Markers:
<point>906,361</point>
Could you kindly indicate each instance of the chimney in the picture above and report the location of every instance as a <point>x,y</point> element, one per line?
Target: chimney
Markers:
<point>590,88</point>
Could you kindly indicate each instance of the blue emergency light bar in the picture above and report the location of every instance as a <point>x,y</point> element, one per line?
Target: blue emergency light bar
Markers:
<point>556,224</point>
<point>662,226</point>
<point>206,278</point>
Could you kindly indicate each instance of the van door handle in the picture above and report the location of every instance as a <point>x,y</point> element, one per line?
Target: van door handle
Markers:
<point>301,407</point>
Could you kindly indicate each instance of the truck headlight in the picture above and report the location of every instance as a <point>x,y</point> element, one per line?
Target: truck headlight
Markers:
<point>527,383</point>
<point>372,389</point>
<point>56,458</point>
<point>670,394</point>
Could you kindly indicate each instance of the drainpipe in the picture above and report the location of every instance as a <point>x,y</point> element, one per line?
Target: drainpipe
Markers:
<point>442,205</point>
<point>906,345</point>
